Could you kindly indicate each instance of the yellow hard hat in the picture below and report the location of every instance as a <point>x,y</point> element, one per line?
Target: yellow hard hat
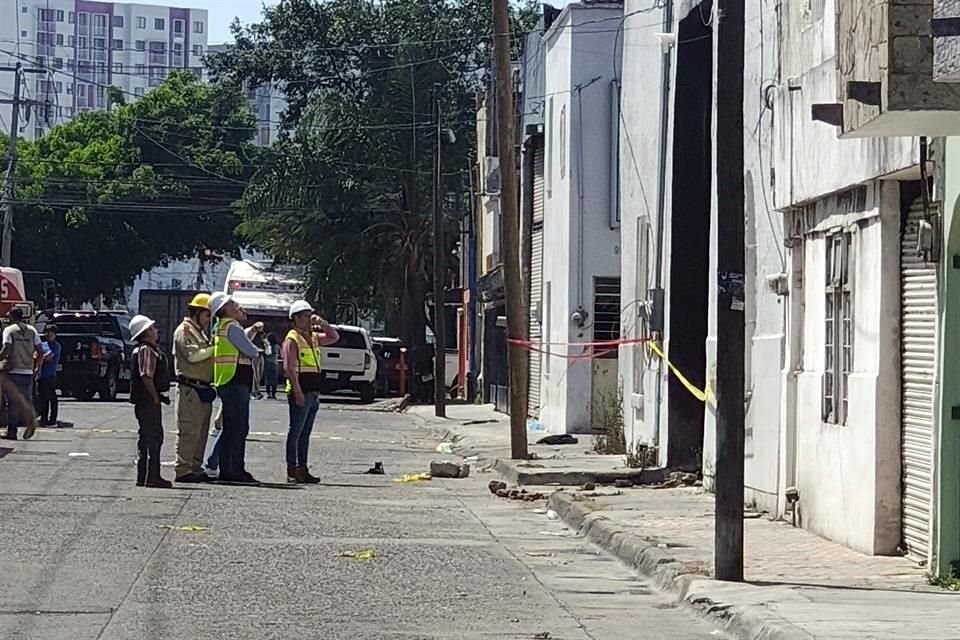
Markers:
<point>200,301</point>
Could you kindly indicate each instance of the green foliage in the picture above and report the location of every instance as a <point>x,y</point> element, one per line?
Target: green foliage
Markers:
<point>349,191</point>
<point>110,194</point>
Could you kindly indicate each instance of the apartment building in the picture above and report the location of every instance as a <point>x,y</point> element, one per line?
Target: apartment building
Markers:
<point>87,47</point>
<point>267,103</point>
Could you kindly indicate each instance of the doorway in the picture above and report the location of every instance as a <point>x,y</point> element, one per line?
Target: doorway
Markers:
<point>690,233</point>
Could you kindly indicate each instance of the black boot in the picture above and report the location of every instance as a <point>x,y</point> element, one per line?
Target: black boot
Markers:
<point>142,468</point>
<point>154,478</point>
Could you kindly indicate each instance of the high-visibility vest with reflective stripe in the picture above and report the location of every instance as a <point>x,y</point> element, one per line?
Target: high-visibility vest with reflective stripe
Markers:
<point>226,357</point>
<point>308,353</point>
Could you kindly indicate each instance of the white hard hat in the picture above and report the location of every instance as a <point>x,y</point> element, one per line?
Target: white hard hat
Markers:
<point>139,324</point>
<point>218,300</point>
<point>299,307</point>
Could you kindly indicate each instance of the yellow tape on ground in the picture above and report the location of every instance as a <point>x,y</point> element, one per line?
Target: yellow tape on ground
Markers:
<point>703,395</point>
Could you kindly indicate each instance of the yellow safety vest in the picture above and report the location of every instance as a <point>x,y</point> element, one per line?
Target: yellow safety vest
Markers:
<point>309,357</point>
<point>226,357</point>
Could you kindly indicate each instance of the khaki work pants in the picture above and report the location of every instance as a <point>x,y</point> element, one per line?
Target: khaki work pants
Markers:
<point>193,425</point>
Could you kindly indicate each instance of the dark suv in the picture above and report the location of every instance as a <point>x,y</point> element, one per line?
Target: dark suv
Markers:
<point>95,356</point>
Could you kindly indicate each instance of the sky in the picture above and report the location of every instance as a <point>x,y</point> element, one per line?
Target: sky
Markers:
<point>222,13</point>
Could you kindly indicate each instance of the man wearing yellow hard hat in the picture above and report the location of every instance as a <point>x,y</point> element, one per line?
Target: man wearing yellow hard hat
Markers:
<point>193,360</point>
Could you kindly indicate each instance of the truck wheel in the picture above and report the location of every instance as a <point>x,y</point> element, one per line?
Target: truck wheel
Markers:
<point>108,392</point>
<point>84,395</point>
<point>367,393</point>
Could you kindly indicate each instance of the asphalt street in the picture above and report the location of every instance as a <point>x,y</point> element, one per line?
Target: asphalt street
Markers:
<point>87,555</point>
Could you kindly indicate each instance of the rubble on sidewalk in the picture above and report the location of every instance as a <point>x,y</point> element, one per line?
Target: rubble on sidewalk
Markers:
<point>447,469</point>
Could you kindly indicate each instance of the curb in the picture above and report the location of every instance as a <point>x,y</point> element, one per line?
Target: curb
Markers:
<point>750,622</point>
<point>510,470</point>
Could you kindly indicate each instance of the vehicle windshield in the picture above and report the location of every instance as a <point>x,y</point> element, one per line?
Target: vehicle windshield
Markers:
<point>350,340</point>
<point>89,324</point>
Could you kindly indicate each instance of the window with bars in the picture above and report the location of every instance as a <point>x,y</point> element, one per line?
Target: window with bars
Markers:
<point>838,327</point>
<point>606,314</point>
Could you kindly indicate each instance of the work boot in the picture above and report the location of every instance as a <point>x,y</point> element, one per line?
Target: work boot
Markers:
<point>9,435</point>
<point>159,483</point>
<point>305,476</point>
<point>30,430</point>
<point>293,474</point>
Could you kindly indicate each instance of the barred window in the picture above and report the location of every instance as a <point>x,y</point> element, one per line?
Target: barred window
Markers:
<point>838,327</point>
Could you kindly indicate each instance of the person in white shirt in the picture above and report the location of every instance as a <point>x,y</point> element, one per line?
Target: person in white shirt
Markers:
<point>20,359</point>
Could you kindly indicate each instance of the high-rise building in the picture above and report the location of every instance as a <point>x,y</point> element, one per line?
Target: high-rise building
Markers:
<point>89,46</point>
<point>267,103</point>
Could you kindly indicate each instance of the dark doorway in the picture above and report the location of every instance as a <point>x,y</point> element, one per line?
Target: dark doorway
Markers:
<point>690,233</point>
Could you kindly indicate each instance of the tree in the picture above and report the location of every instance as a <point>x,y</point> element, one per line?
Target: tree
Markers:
<point>348,192</point>
<point>108,195</point>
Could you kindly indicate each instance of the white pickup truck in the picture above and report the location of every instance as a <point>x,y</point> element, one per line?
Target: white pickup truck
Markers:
<point>349,363</point>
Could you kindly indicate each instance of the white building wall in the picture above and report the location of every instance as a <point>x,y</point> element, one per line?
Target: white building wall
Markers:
<point>765,257</point>
<point>579,52</point>
<point>640,141</point>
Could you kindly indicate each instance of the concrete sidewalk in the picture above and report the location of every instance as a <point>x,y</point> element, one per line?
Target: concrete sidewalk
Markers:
<point>799,586</point>
<point>478,430</point>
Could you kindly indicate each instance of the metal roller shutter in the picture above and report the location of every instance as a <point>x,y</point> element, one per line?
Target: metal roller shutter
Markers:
<point>918,347</point>
<point>536,284</point>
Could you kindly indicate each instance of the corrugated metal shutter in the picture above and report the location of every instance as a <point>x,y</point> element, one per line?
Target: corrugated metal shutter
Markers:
<point>536,284</point>
<point>918,348</point>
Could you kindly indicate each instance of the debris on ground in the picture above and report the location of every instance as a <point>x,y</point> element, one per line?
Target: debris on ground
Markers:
<point>589,486</point>
<point>376,469</point>
<point>414,477</point>
<point>679,479</point>
<point>558,439</point>
<point>496,485</point>
<point>446,469</point>
<point>78,454</point>
<point>552,515</point>
<point>500,489</point>
<point>445,447</point>
<point>403,405</point>
<point>623,483</point>
<point>363,554</point>
<point>185,528</point>
<point>475,422</point>
<point>543,635</point>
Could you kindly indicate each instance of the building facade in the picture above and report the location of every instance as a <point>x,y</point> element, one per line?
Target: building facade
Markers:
<point>846,289</point>
<point>87,47</point>
<point>580,297</point>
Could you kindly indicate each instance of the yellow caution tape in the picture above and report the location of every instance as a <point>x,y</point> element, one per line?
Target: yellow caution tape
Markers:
<point>413,477</point>
<point>703,395</point>
<point>365,554</point>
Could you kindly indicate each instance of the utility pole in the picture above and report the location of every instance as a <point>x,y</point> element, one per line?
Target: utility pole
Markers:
<point>9,187</point>
<point>509,207</point>
<point>439,273</point>
<point>728,534</point>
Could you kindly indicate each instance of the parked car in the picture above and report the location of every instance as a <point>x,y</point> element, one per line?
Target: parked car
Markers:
<point>96,350</point>
<point>350,364</point>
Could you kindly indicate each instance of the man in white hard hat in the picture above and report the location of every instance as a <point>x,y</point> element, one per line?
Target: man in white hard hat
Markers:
<point>233,359</point>
<point>149,381</point>
<point>301,364</point>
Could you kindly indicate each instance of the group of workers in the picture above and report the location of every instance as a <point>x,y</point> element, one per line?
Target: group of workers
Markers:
<point>214,357</point>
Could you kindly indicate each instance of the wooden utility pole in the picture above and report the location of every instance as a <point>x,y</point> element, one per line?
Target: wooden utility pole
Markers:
<point>728,535</point>
<point>439,272</point>
<point>510,211</point>
<point>9,188</point>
